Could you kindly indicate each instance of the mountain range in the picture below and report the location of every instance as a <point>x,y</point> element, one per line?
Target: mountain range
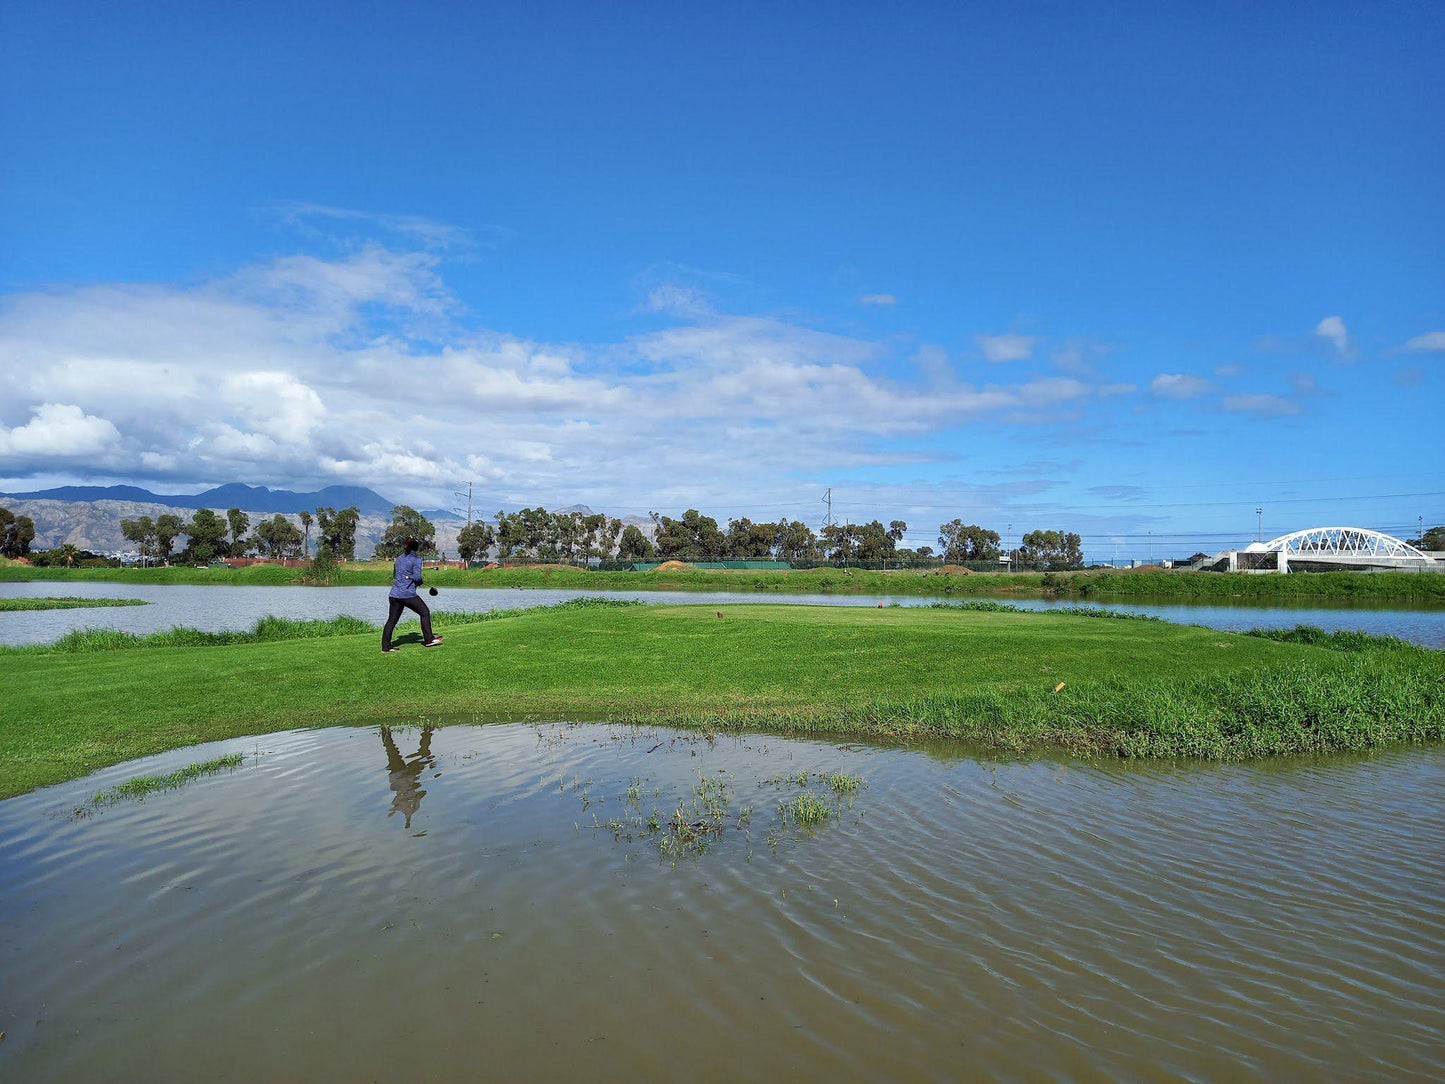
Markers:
<point>235,495</point>
<point>90,516</point>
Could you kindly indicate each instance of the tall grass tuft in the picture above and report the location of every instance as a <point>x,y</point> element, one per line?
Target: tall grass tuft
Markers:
<point>143,785</point>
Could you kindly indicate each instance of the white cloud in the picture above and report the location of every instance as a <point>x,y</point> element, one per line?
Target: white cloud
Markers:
<point>361,368</point>
<point>1431,340</point>
<point>1229,370</point>
<point>1009,347</point>
<point>1260,404</point>
<point>1333,330</point>
<point>58,431</point>
<point>274,403</point>
<point>1119,388</point>
<point>676,300</point>
<point>1179,386</point>
<point>878,299</point>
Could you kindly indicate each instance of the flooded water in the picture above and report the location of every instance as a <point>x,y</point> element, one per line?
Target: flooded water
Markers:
<point>492,903</point>
<point>218,608</point>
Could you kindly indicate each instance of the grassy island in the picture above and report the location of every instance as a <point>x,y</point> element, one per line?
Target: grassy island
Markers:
<point>980,672</point>
<point>1427,587</point>
<point>64,603</point>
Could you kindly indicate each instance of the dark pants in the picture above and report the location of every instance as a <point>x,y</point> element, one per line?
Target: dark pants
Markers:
<point>397,605</point>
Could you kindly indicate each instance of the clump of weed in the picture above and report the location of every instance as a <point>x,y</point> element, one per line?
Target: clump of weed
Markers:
<point>143,785</point>
<point>807,810</point>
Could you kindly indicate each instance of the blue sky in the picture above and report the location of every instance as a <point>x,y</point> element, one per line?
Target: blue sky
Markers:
<point>1108,268</point>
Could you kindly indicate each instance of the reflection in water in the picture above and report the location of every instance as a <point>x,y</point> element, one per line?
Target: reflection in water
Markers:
<point>1001,919</point>
<point>404,775</point>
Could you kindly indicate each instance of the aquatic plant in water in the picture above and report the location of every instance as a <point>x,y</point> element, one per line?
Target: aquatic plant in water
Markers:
<point>141,786</point>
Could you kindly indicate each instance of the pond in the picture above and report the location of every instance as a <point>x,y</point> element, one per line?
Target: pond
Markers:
<point>493,902</point>
<point>217,608</point>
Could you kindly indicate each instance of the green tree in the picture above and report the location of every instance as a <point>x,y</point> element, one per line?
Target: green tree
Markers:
<point>407,522</point>
<point>748,540</point>
<point>567,530</point>
<point>1432,539</point>
<point>336,532</point>
<point>16,534</point>
<point>168,525</point>
<point>205,538</point>
<point>141,531</point>
<point>474,540</point>
<point>594,528</point>
<point>278,537</point>
<point>962,542</point>
<point>693,537</point>
<point>633,545</point>
<point>874,542</point>
<point>610,537</point>
<point>795,541</point>
<point>1051,550</point>
<point>239,524</point>
<point>511,533</point>
<point>838,542</point>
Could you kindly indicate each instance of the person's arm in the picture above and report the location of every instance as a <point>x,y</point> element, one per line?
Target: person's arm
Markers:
<point>416,576</point>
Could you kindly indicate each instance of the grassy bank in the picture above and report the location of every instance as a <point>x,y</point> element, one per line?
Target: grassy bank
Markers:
<point>1012,680</point>
<point>65,603</point>
<point>1109,584</point>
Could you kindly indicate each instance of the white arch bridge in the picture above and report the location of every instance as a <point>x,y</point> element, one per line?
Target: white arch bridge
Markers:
<point>1319,548</point>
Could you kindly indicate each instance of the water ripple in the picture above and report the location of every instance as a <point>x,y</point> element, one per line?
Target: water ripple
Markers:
<point>352,908</point>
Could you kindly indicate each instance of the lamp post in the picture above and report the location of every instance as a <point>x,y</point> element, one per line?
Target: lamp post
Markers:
<point>1259,525</point>
<point>1008,546</point>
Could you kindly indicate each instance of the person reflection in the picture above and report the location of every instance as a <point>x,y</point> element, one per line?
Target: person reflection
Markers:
<point>404,774</point>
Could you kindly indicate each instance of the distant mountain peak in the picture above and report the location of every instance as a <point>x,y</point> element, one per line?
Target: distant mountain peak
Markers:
<point>232,494</point>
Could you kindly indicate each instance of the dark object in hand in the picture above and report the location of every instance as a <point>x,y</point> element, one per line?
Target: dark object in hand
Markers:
<point>431,590</point>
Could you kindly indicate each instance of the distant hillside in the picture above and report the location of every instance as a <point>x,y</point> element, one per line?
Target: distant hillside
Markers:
<point>232,495</point>
<point>95,524</point>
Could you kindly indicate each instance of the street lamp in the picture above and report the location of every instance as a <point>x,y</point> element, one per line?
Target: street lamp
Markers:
<point>1009,541</point>
<point>1259,525</point>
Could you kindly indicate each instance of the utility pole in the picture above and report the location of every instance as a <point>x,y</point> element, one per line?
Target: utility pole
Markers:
<point>1151,546</point>
<point>458,495</point>
<point>1259,525</point>
<point>828,500</point>
<point>1009,545</point>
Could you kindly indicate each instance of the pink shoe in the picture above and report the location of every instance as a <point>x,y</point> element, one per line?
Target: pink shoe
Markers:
<point>435,641</point>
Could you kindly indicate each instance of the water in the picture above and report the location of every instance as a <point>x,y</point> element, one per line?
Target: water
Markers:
<point>217,608</point>
<point>339,910</point>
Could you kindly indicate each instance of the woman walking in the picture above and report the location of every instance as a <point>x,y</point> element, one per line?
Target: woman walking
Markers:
<point>405,578</point>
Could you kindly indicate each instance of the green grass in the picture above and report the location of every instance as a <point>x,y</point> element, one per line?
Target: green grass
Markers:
<point>1379,586</point>
<point>143,785</point>
<point>806,810</point>
<point>1130,688</point>
<point>68,602</point>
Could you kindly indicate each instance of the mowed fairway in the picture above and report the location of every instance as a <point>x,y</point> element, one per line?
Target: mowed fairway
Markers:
<point>1130,687</point>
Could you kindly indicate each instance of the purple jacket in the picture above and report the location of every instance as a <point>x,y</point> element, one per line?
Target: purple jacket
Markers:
<point>405,576</point>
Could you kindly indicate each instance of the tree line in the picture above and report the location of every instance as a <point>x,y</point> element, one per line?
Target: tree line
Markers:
<point>571,536</point>
<point>210,537</point>
<point>535,533</point>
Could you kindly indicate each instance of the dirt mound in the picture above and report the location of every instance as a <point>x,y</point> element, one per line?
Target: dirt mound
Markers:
<point>490,566</point>
<point>674,566</point>
<point>955,570</point>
